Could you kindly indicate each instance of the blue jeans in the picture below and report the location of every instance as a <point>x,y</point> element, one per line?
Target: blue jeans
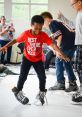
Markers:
<point>61,65</point>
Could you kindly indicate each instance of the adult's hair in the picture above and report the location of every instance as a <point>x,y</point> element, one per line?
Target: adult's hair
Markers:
<point>37,19</point>
<point>2,17</point>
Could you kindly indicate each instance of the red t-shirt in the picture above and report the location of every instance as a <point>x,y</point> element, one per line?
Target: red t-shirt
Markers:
<point>33,44</point>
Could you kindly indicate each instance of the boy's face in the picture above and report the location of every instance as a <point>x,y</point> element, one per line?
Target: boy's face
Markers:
<point>47,21</point>
<point>36,28</point>
<point>76,4</point>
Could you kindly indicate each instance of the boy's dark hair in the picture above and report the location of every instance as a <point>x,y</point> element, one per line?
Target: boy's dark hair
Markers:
<point>37,19</point>
<point>46,15</point>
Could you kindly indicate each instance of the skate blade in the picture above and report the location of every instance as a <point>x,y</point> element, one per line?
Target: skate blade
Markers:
<point>28,103</point>
<point>37,103</point>
<point>76,103</point>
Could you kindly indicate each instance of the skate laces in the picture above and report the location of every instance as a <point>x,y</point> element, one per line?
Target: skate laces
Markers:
<point>78,94</point>
<point>42,95</point>
<point>21,96</point>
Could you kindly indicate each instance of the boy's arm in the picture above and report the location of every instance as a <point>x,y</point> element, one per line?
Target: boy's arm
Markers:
<point>61,54</point>
<point>59,39</point>
<point>4,48</point>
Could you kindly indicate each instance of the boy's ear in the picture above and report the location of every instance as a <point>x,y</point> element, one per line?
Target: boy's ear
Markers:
<point>31,25</point>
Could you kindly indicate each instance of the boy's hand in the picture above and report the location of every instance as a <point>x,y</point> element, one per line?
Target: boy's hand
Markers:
<point>65,58</point>
<point>3,49</point>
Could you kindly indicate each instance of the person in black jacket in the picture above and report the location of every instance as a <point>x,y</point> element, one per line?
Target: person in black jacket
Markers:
<point>67,38</point>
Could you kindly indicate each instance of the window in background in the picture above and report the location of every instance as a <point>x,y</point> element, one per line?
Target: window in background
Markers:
<point>1,0</point>
<point>1,7</point>
<point>20,11</point>
<point>20,14</point>
<point>38,6</point>
<point>40,1</point>
<point>37,9</point>
<point>20,1</point>
<point>25,9</point>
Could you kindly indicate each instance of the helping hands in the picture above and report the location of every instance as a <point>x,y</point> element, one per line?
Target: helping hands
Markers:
<point>64,57</point>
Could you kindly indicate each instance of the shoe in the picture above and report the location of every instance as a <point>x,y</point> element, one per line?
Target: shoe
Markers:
<point>77,97</point>
<point>41,96</point>
<point>58,86</point>
<point>72,87</point>
<point>9,72</point>
<point>3,74</point>
<point>20,96</point>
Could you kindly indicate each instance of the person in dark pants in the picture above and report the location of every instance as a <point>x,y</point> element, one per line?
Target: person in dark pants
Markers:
<point>6,35</point>
<point>67,46</point>
<point>49,57</point>
<point>33,40</point>
<point>3,43</point>
<point>25,67</point>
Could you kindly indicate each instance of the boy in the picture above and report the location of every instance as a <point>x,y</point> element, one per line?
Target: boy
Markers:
<point>49,54</point>
<point>77,5</point>
<point>63,41</point>
<point>66,44</point>
<point>33,39</point>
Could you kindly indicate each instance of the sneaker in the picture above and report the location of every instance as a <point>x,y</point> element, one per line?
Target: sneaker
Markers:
<point>9,72</point>
<point>77,97</point>
<point>72,87</point>
<point>20,96</point>
<point>41,96</point>
<point>3,74</point>
<point>58,86</point>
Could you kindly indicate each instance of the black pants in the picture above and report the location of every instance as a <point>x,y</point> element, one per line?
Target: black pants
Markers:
<point>25,67</point>
<point>49,57</point>
<point>3,43</point>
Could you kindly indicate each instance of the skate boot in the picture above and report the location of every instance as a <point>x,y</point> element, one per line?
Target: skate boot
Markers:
<point>59,85</point>
<point>41,97</point>
<point>77,97</point>
<point>72,86</point>
<point>20,96</point>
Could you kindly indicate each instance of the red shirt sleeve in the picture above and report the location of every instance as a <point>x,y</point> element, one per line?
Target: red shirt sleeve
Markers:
<point>21,38</point>
<point>46,39</point>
